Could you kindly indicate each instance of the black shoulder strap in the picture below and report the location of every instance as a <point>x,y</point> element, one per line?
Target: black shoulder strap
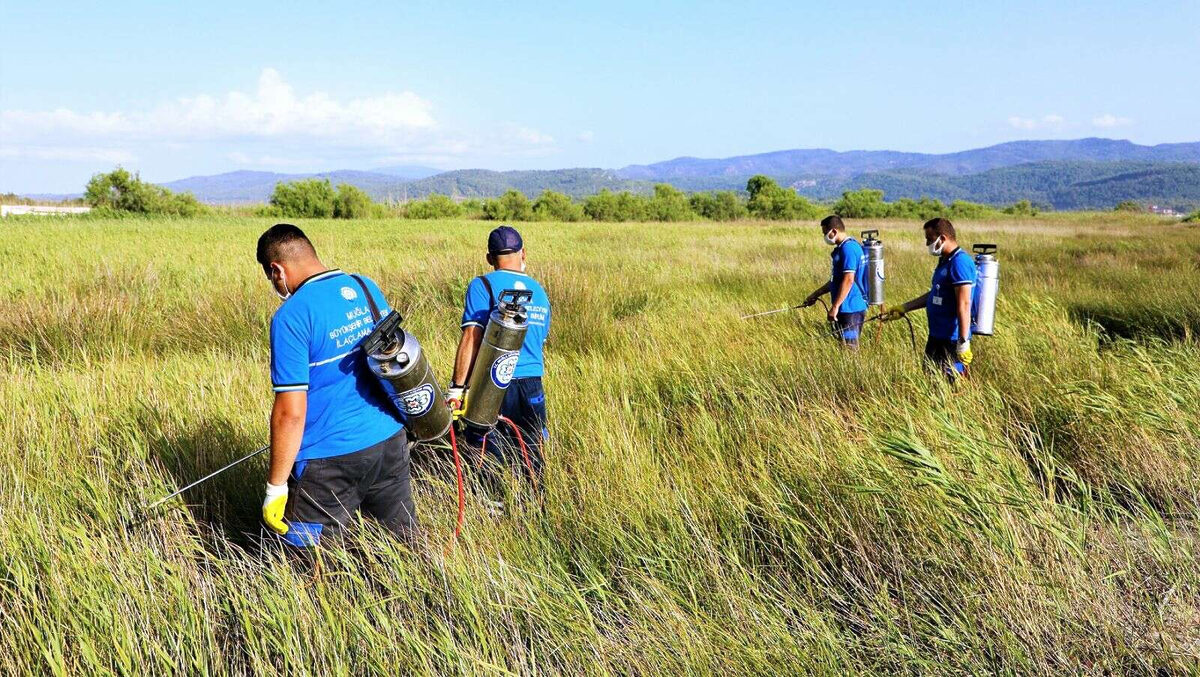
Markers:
<point>370,299</point>
<point>488,286</point>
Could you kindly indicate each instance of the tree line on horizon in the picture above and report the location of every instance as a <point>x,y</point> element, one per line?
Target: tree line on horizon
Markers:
<point>119,192</point>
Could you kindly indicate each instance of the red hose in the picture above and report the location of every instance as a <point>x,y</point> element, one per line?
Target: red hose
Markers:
<point>462,494</point>
<point>524,450</point>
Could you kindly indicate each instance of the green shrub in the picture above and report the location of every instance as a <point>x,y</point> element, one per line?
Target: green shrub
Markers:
<point>352,203</point>
<point>721,205</point>
<point>863,204</point>
<point>307,198</point>
<point>121,192</point>
<point>669,204</point>
<point>1194,217</point>
<point>609,206</point>
<point>1022,208</point>
<point>432,207</point>
<point>554,206</point>
<point>962,209</point>
<point>512,206</point>
<point>769,200</point>
<point>1128,206</point>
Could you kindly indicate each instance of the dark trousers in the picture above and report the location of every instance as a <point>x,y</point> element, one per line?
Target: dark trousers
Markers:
<point>525,405</point>
<point>943,356</point>
<point>849,326</point>
<point>324,493</point>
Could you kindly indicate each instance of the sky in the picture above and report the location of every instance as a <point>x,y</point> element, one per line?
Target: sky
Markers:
<point>181,89</point>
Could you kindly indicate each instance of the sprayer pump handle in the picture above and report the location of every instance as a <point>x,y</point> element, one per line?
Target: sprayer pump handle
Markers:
<point>984,249</point>
<point>517,296</point>
<point>870,234</point>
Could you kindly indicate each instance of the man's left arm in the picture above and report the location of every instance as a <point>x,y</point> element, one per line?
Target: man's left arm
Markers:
<point>838,297</point>
<point>289,380</point>
<point>962,274</point>
<point>962,295</point>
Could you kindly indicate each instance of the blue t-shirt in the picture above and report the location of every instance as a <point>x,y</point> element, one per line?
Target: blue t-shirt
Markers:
<point>952,271</point>
<point>479,304</point>
<point>315,337</point>
<point>848,257</point>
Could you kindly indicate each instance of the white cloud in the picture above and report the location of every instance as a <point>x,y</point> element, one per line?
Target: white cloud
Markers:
<point>272,126</point>
<point>1048,120</point>
<point>1022,123</point>
<point>1110,120</point>
<point>115,156</point>
<point>274,109</point>
<point>532,136</point>
<point>587,136</point>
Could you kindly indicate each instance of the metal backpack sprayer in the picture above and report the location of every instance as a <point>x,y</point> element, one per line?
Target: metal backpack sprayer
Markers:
<point>987,286</point>
<point>396,359</point>
<point>873,247</point>
<point>494,366</point>
<point>402,369</point>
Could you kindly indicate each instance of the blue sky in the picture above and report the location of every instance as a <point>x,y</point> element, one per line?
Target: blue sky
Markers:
<point>178,89</point>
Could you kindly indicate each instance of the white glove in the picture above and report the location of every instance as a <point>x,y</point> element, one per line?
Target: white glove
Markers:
<point>455,393</point>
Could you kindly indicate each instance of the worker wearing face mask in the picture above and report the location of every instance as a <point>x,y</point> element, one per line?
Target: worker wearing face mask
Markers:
<point>336,445</point>
<point>948,302</point>
<point>847,282</point>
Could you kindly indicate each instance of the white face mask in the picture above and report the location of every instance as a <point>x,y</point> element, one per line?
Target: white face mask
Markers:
<point>283,281</point>
<point>522,265</point>
<point>831,238</point>
<point>936,247</point>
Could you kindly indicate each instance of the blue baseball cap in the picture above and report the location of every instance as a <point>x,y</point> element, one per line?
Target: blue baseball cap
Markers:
<point>505,240</point>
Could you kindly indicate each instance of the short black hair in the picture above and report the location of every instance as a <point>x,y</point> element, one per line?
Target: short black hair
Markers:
<point>940,226</point>
<point>281,242</point>
<point>830,222</point>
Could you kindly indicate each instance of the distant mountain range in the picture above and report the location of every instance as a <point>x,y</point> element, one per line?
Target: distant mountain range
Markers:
<point>1078,174</point>
<point>833,163</point>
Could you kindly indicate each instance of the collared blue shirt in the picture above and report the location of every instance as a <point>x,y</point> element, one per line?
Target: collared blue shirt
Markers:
<point>478,305</point>
<point>848,257</point>
<point>952,271</point>
<point>315,337</point>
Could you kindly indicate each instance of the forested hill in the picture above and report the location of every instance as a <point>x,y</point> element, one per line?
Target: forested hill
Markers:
<point>821,161</point>
<point>1062,185</point>
<point>1084,173</point>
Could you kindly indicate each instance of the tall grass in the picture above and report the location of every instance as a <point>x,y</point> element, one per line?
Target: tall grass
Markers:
<point>722,496</point>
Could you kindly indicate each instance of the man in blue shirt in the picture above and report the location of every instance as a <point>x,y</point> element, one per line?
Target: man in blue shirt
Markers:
<point>847,285</point>
<point>336,445</point>
<point>948,302</point>
<point>525,399</point>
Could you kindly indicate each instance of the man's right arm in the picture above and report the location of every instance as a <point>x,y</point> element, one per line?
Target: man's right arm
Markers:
<point>817,293</point>
<point>477,305</point>
<point>468,347</point>
<point>916,303</point>
<point>287,431</point>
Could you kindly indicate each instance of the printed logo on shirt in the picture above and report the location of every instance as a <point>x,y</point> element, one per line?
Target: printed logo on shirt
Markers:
<point>503,368</point>
<point>349,294</point>
<point>518,285</point>
<point>417,401</point>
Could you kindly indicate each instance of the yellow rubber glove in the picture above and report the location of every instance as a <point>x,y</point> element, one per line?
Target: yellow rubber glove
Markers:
<point>963,349</point>
<point>893,314</point>
<point>456,399</point>
<point>273,505</point>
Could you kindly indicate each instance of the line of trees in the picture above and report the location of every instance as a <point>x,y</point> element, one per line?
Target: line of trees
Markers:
<point>121,192</point>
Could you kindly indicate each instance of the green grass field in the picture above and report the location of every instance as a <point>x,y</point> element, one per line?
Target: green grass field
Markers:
<point>723,496</point>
